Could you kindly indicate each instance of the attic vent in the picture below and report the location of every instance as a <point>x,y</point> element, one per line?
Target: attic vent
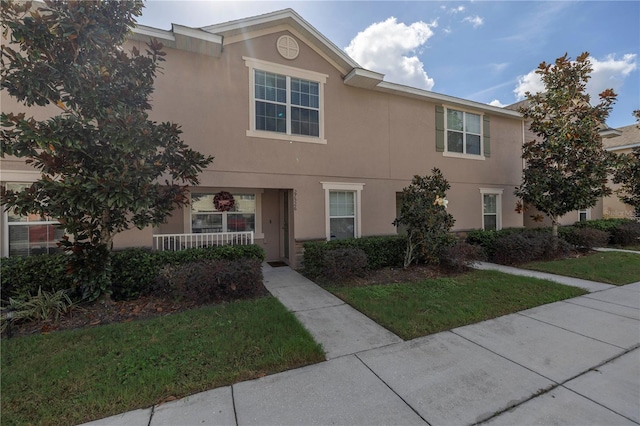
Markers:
<point>288,47</point>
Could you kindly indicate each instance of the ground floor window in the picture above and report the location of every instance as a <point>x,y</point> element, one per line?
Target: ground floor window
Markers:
<point>583,215</point>
<point>31,234</point>
<point>491,209</point>
<point>342,209</point>
<point>342,214</point>
<point>206,218</point>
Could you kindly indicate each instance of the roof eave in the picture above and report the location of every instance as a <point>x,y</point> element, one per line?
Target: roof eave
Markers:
<point>286,16</point>
<point>413,92</point>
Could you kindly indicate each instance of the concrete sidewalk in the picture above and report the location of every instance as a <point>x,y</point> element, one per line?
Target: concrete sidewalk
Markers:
<point>575,362</point>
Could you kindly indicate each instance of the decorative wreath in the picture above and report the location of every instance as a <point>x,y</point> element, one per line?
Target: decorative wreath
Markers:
<point>223,201</point>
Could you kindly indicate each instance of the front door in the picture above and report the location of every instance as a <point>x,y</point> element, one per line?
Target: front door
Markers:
<point>284,221</point>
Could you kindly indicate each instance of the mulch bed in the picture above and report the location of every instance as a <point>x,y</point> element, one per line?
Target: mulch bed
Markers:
<point>144,307</point>
<point>99,313</point>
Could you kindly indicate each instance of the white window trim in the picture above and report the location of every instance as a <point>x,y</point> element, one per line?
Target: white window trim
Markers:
<point>257,64</point>
<point>342,186</point>
<point>20,178</point>
<point>498,193</point>
<point>446,152</point>
<point>258,234</point>
<point>587,213</point>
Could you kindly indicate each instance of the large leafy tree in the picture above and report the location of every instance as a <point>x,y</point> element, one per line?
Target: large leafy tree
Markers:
<point>628,175</point>
<point>423,211</point>
<point>566,165</point>
<point>105,165</point>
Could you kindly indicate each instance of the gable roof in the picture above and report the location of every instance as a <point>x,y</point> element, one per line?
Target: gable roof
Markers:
<point>629,137</point>
<point>210,39</point>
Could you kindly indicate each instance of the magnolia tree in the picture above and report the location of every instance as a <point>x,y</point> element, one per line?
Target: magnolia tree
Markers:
<point>423,211</point>
<point>105,167</point>
<point>566,165</point>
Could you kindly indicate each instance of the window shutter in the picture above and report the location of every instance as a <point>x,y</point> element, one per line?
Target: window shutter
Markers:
<point>439,128</point>
<point>486,136</point>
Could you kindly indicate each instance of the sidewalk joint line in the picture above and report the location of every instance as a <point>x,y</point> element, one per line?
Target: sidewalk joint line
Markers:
<point>233,402</point>
<point>600,310</point>
<point>570,331</point>
<point>391,389</point>
<point>556,384</point>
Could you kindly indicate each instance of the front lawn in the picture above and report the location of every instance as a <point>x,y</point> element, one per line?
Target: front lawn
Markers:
<point>412,310</point>
<point>616,268</point>
<point>70,377</point>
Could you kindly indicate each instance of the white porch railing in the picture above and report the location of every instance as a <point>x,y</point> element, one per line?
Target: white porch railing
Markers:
<point>175,242</point>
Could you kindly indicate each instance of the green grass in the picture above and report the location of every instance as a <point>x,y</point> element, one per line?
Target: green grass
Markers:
<point>616,268</point>
<point>76,376</point>
<point>417,309</point>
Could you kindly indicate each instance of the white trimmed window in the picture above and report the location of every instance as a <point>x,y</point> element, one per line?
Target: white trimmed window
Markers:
<point>31,234</point>
<point>205,218</point>
<point>462,134</point>
<point>286,103</point>
<point>342,210</point>
<point>491,209</point>
<point>584,215</point>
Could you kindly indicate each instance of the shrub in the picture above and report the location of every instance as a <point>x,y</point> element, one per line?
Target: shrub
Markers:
<point>607,225</point>
<point>626,234</point>
<point>584,237</point>
<point>44,305</point>
<point>380,251</point>
<point>207,281</point>
<point>525,247</point>
<point>133,270</point>
<point>23,276</point>
<point>344,263</point>
<point>461,255</point>
<point>487,239</point>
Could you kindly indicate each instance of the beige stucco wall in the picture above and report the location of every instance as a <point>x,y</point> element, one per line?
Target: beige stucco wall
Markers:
<point>377,139</point>
<point>612,206</point>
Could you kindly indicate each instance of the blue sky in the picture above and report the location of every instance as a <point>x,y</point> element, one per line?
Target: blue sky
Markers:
<point>484,51</point>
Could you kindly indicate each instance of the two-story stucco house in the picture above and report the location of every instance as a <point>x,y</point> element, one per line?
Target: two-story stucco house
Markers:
<point>309,144</point>
<point>622,140</point>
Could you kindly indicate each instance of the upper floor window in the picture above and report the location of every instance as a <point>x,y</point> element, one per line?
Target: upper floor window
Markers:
<point>286,103</point>
<point>462,133</point>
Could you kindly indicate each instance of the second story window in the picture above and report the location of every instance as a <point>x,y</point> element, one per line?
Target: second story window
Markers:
<point>286,104</point>
<point>464,132</point>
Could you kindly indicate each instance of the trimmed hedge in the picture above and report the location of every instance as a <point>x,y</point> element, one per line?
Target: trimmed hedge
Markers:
<point>133,270</point>
<point>512,249</point>
<point>518,245</point>
<point>206,280</point>
<point>585,238</point>
<point>487,239</point>
<point>380,251</point>
<point>606,225</point>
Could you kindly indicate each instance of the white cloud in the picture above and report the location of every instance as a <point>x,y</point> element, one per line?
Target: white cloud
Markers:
<point>458,9</point>
<point>389,47</point>
<point>497,103</point>
<point>607,74</point>
<point>476,21</point>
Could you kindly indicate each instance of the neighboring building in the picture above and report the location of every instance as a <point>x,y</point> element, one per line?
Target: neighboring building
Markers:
<point>620,141</point>
<point>310,145</point>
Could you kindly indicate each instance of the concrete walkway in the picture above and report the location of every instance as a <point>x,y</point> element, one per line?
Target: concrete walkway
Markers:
<point>575,362</point>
